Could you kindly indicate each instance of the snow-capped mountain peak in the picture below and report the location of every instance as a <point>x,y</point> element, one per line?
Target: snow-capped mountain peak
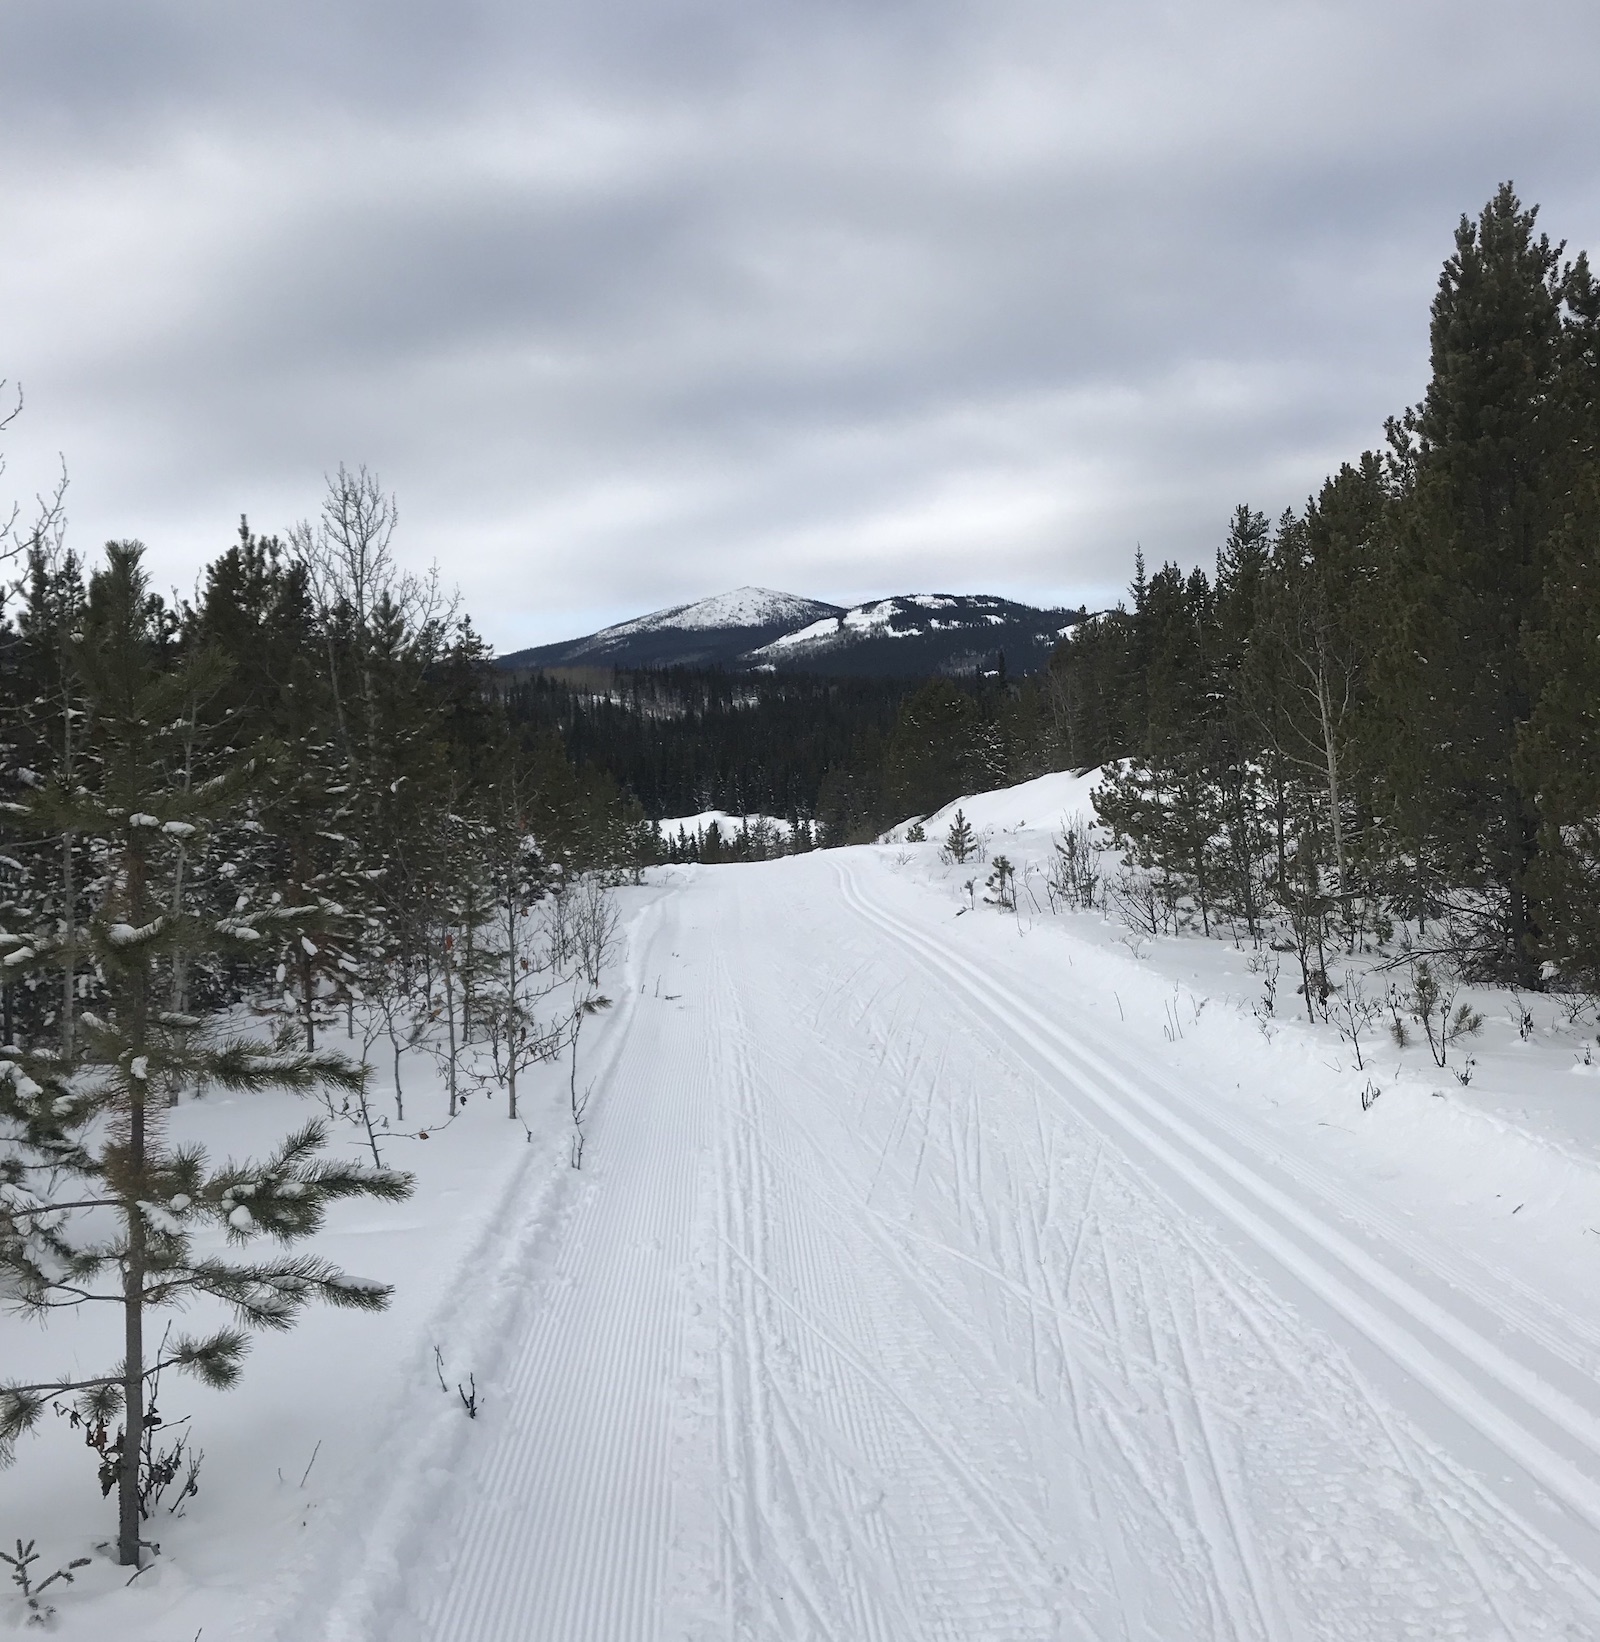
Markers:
<point>743,607</point>
<point>755,628</point>
<point>921,633</point>
<point>711,632</point>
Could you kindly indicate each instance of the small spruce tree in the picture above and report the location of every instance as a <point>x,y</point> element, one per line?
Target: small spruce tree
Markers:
<point>1002,885</point>
<point>960,843</point>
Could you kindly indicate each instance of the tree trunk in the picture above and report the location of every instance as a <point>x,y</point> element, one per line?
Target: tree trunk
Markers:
<point>308,982</point>
<point>399,1094</point>
<point>513,1020</point>
<point>132,1394</point>
<point>1331,750</point>
<point>69,970</point>
<point>1522,930</point>
<point>69,893</point>
<point>133,1291</point>
<point>468,968</point>
<point>180,960</point>
<point>450,1020</point>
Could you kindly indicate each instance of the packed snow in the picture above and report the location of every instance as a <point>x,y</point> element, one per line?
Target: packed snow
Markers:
<point>934,1271</point>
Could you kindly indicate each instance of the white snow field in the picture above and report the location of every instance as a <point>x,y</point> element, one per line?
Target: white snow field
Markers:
<point>932,1275</point>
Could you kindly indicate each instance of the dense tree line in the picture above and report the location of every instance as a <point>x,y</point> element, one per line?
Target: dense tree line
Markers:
<point>687,740</point>
<point>1383,708</point>
<point>836,759</point>
<point>228,823</point>
<point>841,757</point>
<point>950,736</point>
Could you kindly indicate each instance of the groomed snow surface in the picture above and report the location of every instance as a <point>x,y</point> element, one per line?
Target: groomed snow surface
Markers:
<point>932,1274</point>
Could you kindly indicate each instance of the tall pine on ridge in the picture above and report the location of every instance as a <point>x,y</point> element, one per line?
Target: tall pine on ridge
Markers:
<point>1487,461</point>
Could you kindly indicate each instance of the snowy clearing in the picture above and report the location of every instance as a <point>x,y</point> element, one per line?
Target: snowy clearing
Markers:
<point>730,826</point>
<point>932,1274</point>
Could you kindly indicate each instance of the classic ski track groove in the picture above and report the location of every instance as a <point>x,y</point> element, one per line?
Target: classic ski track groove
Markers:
<point>857,1397</point>
<point>564,1522</point>
<point>1517,1410</point>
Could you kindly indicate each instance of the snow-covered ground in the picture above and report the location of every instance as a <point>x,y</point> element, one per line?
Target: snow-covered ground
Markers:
<point>933,1273</point>
<point>730,826</point>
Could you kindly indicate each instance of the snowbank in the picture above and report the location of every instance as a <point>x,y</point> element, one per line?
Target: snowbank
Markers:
<point>1035,808</point>
<point>1541,1088</point>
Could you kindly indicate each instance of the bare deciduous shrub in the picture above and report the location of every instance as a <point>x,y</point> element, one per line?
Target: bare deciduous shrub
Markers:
<point>1139,902</point>
<point>1353,1012</point>
<point>1076,872</point>
<point>594,923</point>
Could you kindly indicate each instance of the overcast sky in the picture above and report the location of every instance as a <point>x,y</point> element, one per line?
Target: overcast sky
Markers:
<point>632,301</point>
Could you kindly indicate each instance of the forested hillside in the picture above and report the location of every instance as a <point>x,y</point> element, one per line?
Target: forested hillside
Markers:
<point>852,755</point>
<point>683,740</point>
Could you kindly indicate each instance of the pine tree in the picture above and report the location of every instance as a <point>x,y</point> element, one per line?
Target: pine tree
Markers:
<point>939,749</point>
<point>1002,884</point>
<point>1485,463</point>
<point>1163,804</point>
<point>94,1204</point>
<point>1559,753</point>
<point>516,976</point>
<point>960,842</point>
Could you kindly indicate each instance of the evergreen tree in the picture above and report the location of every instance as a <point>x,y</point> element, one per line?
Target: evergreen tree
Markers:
<point>937,750</point>
<point>960,842</point>
<point>1486,464</point>
<point>96,1205</point>
<point>515,976</point>
<point>1559,753</point>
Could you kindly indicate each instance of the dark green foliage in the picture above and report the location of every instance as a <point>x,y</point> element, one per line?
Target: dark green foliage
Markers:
<point>685,741</point>
<point>1489,461</point>
<point>960,842</point>
<point>853,755</point>
<point>84,1129</point>
<point>1558,755</point>
<point>940,747</point>
<point>1383,709</point>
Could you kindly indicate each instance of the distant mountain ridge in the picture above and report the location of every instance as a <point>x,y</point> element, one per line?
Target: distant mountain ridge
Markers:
<point>756,629</point>
<point>712,632</point>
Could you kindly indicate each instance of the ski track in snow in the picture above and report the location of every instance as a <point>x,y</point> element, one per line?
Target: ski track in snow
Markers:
<point>897,1301</point>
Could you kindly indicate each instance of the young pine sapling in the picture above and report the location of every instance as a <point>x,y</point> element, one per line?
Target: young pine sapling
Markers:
<point>96,1206</point>
<point>960,842</point>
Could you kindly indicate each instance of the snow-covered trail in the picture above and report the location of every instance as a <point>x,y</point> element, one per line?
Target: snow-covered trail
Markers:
<point>902,1297</point>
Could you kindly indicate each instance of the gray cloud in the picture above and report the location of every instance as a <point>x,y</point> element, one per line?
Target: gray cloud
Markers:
<point>630,303</point>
